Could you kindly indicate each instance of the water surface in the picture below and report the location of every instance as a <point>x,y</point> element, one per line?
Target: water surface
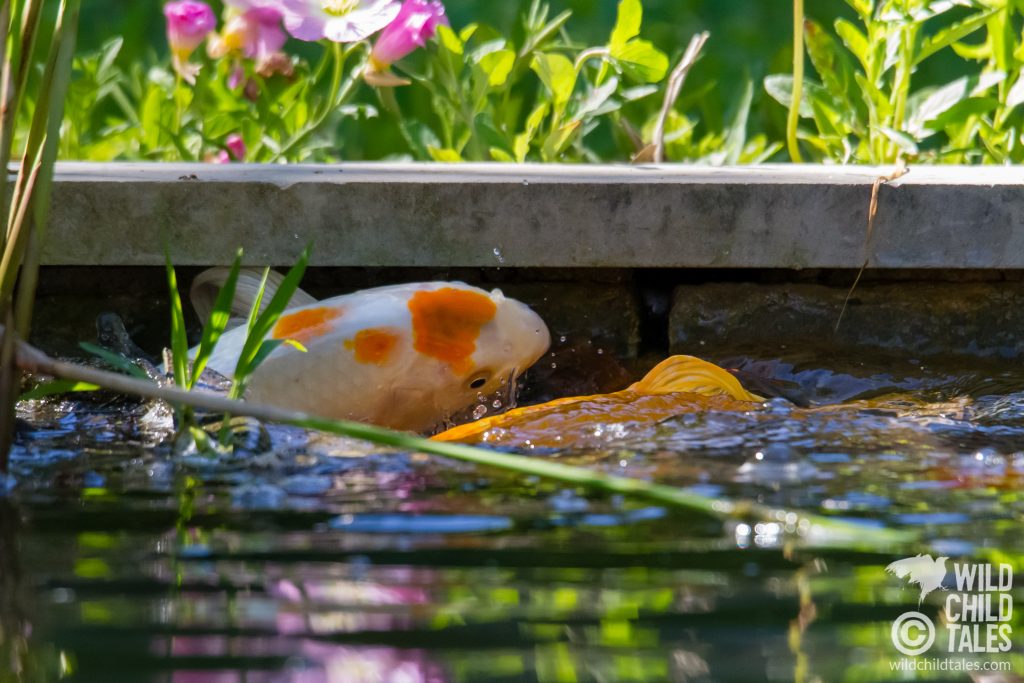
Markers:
<point>330,561</point>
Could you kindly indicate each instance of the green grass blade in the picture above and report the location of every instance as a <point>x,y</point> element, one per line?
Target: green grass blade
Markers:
<point>217,322</point>
<point>820,527</point>
<point>266,320</point>
<point>179,336</point>
<point>114,360</point>
<point>240,376</point>
<point>56,388</point>
<point>56,81</point>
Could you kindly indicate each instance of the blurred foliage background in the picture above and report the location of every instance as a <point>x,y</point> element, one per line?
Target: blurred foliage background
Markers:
<point>750,39</point>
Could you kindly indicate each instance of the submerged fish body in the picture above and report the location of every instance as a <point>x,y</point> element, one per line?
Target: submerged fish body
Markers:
<point>403,356</point>
<point>677,385</point>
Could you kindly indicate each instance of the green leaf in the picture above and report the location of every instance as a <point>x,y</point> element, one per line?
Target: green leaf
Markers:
<point>498,65</point>
<point>262,324</point>
<point>927,105</point>
<point>1016,94</point>
<point>466,33</point>
<point>780,87</point>
<point>597,102</point>
<point>737,135</point>
<point>114,360</point>
<point>558,140</point>
<point>55,388</point>
<point>266,348</point>
<point>449,40</point>
<point>638,92</point>
<point>961,112</point>
<point>863,7</point>
<point>558,75</point>
<point>831,62</point>
<point>1001,38</point>
<point>855,41</point>
<point>151,123</point>
<point>521,144</point>
<point>642,61</point>
<point>979,52</point>
<point>444,154</point>
<point>217,322</point>
<point>537,40</point>
<point>627,23</point>
<point>498,154</point>
<point>179,336</point>
<point>902,140</point>
<point>951,34</point>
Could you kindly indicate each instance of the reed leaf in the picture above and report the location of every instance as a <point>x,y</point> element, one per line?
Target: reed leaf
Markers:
<point>261,324</point>
<point>179,335</point>
<point>217,322</point>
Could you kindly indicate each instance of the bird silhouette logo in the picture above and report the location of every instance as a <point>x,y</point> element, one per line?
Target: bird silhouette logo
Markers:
<point>922,570</point>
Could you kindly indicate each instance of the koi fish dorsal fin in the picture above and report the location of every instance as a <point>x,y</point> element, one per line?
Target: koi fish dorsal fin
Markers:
<point>207,285</point>
<point>692,375</point>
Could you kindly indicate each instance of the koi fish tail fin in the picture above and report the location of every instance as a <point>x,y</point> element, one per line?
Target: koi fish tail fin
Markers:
<point>692,375</point>
<point>207,286</point>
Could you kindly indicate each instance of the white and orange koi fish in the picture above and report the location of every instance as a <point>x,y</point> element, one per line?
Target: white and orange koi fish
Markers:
<point>405,356</point>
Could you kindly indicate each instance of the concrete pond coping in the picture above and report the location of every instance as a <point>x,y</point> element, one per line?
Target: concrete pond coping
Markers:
<point>536,216</point>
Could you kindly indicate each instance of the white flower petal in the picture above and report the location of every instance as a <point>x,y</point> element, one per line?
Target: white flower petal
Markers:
<point>363,22</point>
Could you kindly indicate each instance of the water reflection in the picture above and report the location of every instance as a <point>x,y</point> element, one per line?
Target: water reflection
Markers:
<point>329,562</point>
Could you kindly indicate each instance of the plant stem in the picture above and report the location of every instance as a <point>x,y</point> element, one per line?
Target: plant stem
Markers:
<point>32,360</point>
<point>340,92</point>
<point>798,81</point>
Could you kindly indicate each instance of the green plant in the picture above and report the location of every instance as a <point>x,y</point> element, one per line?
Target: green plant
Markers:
<point>256,348</point>
<point>474,94</point>
<point>480,87</point>
<point>31,40</point>
<point>865,109</point>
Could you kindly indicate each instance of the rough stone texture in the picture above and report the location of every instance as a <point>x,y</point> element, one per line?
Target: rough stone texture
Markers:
<point>491,215</point>
<point>926,318</point>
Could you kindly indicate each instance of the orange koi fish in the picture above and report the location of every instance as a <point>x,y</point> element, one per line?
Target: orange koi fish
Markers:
<point>677,385</point>
<point>405,357</point>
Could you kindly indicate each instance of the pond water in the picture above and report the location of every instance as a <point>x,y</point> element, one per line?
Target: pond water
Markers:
<point>329,561</point>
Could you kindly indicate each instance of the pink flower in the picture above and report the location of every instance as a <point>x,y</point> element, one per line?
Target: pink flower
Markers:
<point>188,23</point>
<point>236,145</point>
<point>415,24</point>
<point>252,30</point>
<point>235,150</point>
<point>341,21</point>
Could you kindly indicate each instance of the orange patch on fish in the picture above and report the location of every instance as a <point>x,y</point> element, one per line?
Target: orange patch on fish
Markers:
<point>305,325</point>
<point>446,324</point>
<point>373,345</point>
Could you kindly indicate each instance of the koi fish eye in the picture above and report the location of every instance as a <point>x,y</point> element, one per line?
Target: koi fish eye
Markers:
<point>479,380</point>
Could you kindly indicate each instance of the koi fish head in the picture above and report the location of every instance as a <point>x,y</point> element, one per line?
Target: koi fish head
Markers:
<point>469,343</point>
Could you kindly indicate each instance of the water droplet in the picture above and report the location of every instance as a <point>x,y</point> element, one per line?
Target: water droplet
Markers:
<point>562,339</point>
<point>496,404</point>
<point>498,255</point>
<point>479,412</point>
<point>554,365</point>
<point>600,352</point>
